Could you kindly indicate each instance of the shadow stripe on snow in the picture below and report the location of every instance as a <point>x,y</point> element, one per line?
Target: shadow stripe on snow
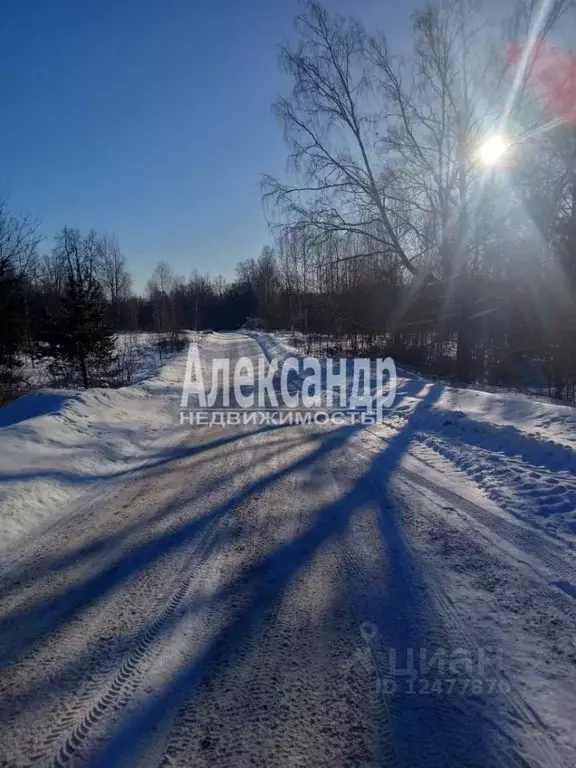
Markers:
<point>131,672</point>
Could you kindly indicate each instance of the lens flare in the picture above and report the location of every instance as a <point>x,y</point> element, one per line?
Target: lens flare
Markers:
<point>493,149</point>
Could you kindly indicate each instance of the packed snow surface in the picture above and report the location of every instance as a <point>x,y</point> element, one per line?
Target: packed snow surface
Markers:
<point>398,594</point>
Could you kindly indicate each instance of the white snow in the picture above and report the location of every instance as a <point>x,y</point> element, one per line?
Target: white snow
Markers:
<point>519,450</point>
<point>257,561</point>
<point>56,444</point>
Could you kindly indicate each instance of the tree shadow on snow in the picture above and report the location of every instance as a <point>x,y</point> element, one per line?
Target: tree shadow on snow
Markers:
<point>380,585</point>
<point>393,599</point>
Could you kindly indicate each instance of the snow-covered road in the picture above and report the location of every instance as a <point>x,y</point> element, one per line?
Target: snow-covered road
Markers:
<point>298,595</point>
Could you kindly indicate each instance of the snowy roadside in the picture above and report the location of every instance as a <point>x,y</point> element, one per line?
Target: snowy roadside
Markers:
<point>57,444</point>
<point>519,451</point>
<point>138,349</point>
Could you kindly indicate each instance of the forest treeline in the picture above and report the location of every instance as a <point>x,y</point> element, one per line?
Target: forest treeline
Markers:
<point>390,233</point>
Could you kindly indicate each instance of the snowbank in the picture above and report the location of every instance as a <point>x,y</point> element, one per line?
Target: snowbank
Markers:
<point>56,444</point>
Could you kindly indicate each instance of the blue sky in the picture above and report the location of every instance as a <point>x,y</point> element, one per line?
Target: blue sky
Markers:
<point>150,118</point>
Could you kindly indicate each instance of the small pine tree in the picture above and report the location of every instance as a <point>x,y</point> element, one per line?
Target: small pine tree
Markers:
<point>79,339</point>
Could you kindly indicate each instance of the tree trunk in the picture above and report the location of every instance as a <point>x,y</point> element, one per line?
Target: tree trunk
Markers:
<point>464,350</point>
<point>83,369</point>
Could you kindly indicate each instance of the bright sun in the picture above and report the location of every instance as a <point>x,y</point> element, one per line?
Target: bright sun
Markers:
<point>493,149</point>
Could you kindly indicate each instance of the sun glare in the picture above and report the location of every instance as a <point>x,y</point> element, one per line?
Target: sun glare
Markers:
<point>493,149</point>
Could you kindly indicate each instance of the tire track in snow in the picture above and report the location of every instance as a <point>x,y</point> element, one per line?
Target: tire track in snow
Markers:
<point>187,742</point>
<point>415,730</point>
<point>101,622</point>
<point>447,631</point>
<point>425,727</point>
<point>528,541</point>
<point>291,701</point>
<point>533,541</point>
<point>529,492</point>
<point>76,729</point>
<point>537,747</point>
<point>133,668</point>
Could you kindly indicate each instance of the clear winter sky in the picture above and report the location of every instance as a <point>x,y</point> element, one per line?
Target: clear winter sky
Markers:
<point>151,118</point>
